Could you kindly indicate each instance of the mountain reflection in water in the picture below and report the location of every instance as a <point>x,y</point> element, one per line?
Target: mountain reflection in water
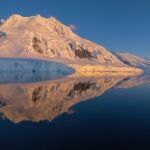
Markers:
<point>47,100</point>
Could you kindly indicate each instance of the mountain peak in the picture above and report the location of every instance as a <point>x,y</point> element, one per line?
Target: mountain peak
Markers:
<point>35,24</point>
<point>15,16</point>
<point>38,17</point>
<point>13,21</point>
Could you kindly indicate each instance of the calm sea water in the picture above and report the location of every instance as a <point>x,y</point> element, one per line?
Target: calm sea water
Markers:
<point>76,113</point>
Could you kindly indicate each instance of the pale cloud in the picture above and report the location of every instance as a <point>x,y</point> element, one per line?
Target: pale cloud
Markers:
<point>2,21</point>
<point>72,27</point>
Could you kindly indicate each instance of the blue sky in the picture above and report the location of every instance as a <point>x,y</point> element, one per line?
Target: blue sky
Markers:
<point>119,25</point>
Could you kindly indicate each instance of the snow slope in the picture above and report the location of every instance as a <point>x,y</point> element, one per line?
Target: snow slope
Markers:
<point>133,60</point>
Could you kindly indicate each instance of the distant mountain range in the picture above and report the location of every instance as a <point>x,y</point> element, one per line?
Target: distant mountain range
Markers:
<point>47,38</point>
<point>133,60</point>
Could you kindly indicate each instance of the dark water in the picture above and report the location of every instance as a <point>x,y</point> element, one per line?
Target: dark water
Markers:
<point>76,113</point>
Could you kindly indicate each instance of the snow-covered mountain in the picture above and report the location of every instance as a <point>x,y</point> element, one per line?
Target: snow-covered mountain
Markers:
<point>133,60</point>
<point>47,38</point>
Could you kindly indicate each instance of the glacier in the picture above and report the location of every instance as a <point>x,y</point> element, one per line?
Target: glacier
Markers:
<point>31,70</point>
